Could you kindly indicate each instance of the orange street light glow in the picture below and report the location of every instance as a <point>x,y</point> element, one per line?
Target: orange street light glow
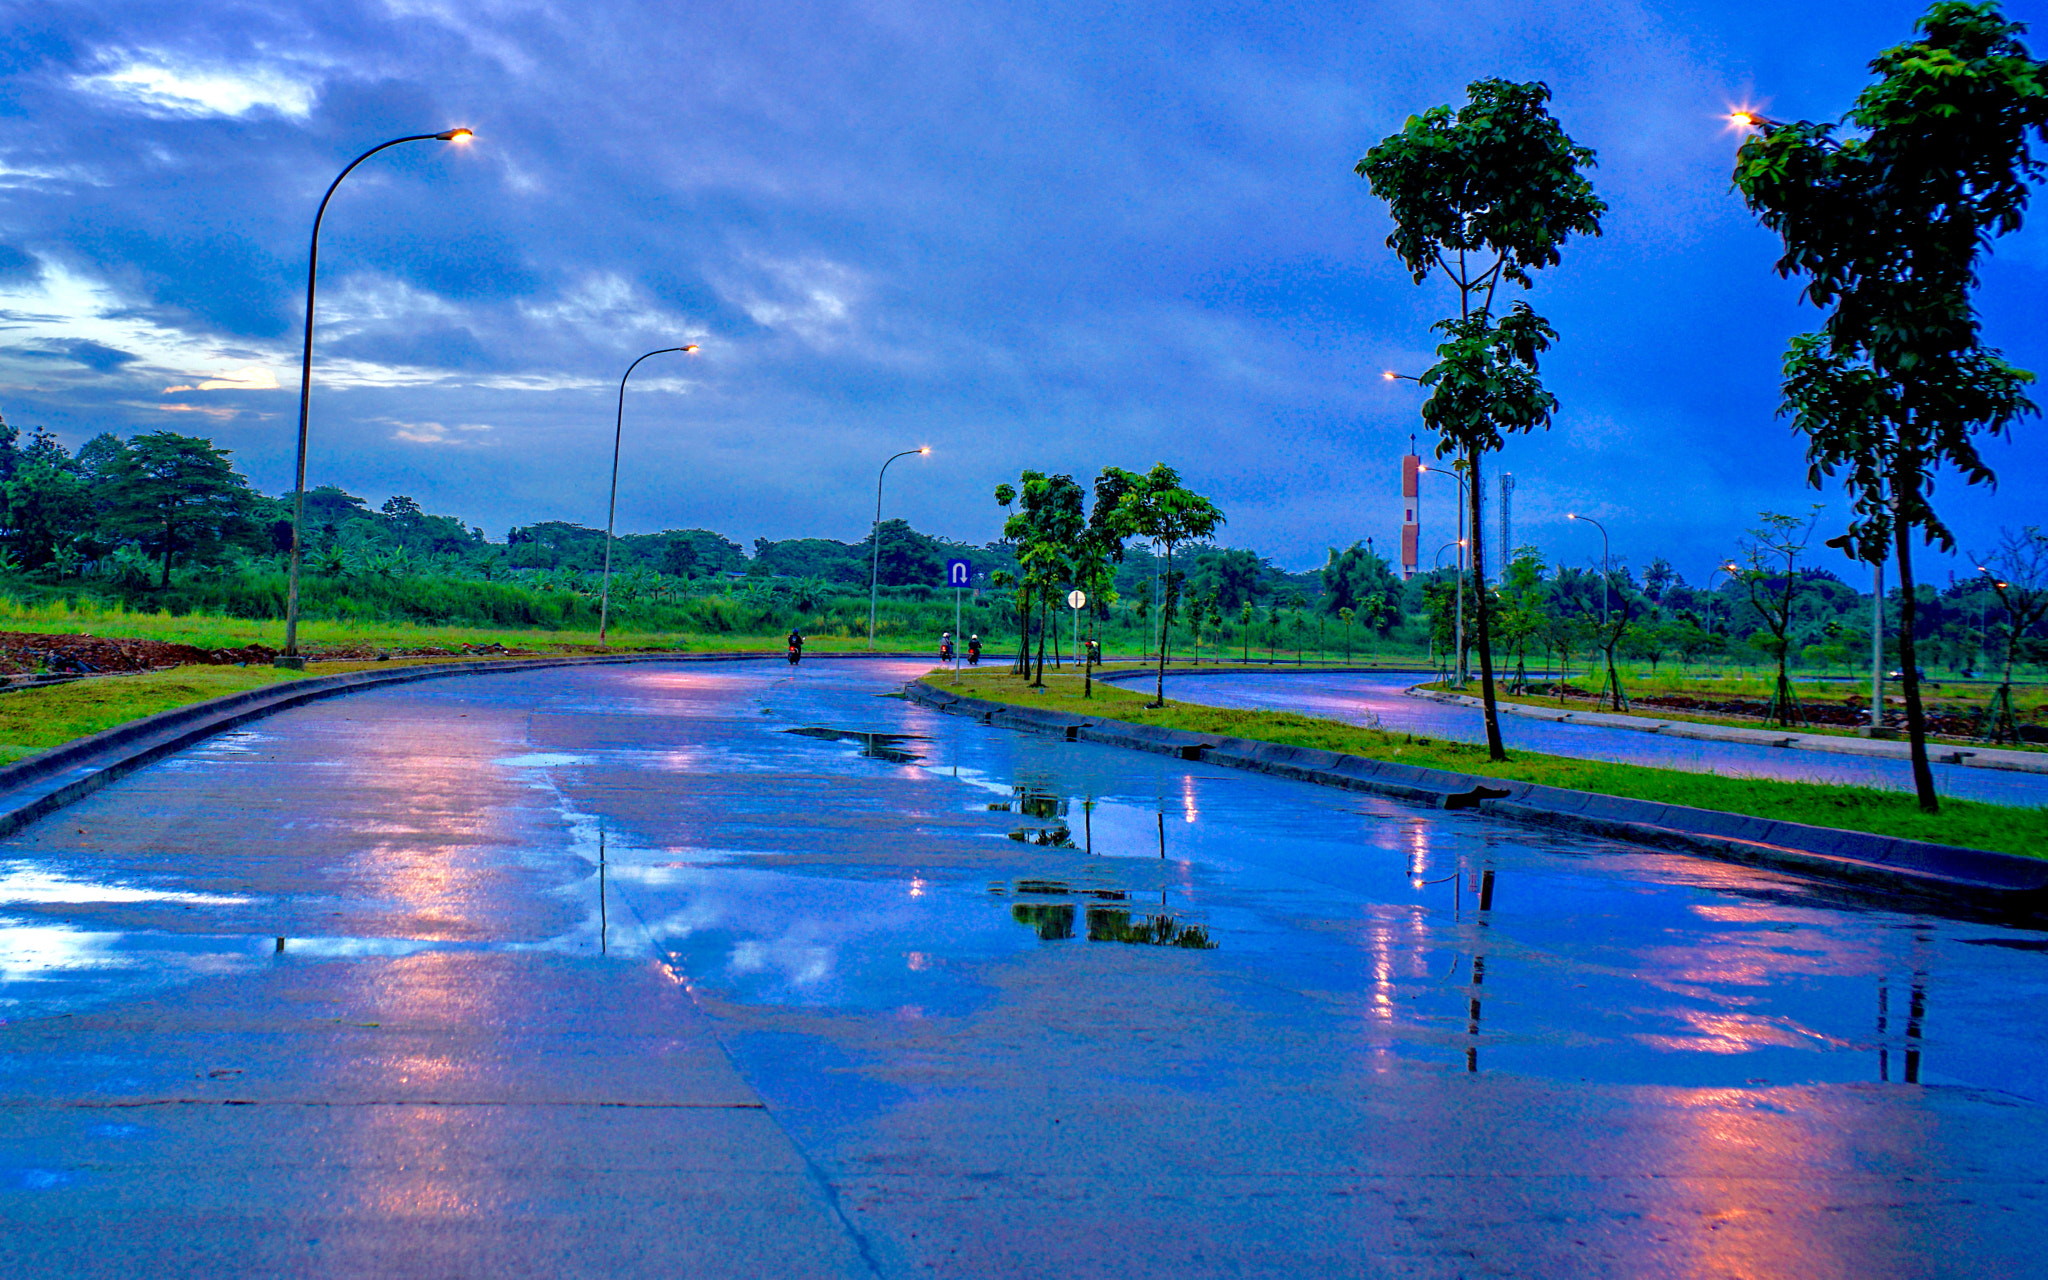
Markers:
<point>455,135</point>
<point>924,448</point>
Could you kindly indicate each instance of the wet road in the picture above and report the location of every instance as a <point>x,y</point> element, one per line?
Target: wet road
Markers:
<point>608,970</point>
<point>1378,699</point>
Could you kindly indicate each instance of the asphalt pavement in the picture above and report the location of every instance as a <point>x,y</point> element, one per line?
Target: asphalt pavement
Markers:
<point>1379,699</point>
<point>743,971</point>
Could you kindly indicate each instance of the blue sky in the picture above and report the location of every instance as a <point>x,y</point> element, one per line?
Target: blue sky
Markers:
<point>1043,235</point>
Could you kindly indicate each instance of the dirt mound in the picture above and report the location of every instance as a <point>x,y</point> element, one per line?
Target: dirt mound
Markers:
<point>31,653</point>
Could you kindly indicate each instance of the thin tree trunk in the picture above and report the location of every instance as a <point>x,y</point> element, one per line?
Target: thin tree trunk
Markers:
<point>1021,665</point>
<point>1039,682</point>
<point>1494,749</point>
<point>1916,719</point>
<point>1165,627</point>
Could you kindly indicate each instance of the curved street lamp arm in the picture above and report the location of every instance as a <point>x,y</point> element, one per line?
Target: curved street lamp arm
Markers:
<point>611,511</point>
<point>875,536</point>
<point>291,617</point>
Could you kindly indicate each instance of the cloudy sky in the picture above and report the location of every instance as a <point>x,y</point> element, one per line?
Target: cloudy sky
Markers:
<point>1050,234</point>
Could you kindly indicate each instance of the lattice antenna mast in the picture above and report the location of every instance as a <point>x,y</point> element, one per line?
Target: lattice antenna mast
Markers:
<point>1507,521</point>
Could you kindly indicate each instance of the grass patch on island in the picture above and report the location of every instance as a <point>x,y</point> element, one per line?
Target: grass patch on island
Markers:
<point>1970,823</point>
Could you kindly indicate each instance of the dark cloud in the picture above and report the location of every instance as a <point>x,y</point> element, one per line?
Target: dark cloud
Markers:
<point>93,355</point>
<point>1057,234</point>
<point>18,266</point>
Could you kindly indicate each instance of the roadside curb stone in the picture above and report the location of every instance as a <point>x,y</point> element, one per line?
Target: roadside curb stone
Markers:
<point>1836,744</point>
<point>2001,880</point>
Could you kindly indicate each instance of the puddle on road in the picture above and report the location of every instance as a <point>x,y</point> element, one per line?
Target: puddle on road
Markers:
<point>25,882</point>
<point>875,746</point>
<point>1054,922</point>
<point>542,760</point>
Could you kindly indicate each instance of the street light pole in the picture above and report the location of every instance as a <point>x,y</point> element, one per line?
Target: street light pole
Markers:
<point>1605,572</point>
<point>290,657</point>
<point>1462,496</point>
<point>875,575</point>
<point>604,598</point>
<point>1727,567</point>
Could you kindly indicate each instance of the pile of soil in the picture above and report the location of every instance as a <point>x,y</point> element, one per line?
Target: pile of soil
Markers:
<point>32,653</point>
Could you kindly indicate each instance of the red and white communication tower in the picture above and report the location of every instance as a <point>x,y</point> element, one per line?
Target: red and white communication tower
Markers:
<point>1411,513</point>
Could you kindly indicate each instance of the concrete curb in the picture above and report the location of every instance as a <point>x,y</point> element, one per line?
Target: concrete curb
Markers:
<point>2003,881</point>
<point>41,784</point>
<point>1968,757</point>
<point>1122,673</point>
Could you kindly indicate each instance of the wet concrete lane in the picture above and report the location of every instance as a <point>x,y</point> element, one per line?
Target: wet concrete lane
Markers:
<point>1378,700</point>
<point>613,965</point>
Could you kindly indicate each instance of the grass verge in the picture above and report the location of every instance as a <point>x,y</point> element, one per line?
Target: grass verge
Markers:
<point>33,720</point>
<point>1973,824</point>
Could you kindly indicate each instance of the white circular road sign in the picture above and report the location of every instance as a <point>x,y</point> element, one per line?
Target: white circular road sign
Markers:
<point>1077,599</point>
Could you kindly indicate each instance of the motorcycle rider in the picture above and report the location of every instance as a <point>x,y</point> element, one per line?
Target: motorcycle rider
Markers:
<point>974,651</point>
<point>796,646</point>
<point>946,646</point>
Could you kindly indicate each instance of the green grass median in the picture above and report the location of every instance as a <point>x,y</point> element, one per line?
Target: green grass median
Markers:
<point>1970,823</point>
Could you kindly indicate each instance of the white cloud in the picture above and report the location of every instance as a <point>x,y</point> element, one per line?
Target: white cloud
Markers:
<point>812,297</point>
<point>438,433</point>
<point>162,84</point>
<point>257,377</point>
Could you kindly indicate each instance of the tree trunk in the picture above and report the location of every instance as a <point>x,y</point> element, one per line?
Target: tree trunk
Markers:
<point>1022,665</point>
<point>1039,681</point>
<point>1165,628</point>
<point>1916,719</point>
<point>165,585</point>
<point>1494,749</point>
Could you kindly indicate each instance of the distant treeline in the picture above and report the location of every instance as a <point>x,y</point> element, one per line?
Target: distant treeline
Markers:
<point>166,521</point>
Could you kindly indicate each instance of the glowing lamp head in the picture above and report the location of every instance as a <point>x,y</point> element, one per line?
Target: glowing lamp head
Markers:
<point>455,135</point>
<point>1571,515</point>
<point>1390,375</point>
<point>690,350</point>
<point>924,448</point>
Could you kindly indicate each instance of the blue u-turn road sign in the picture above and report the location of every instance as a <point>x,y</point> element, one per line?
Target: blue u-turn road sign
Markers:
<point>959,573</point>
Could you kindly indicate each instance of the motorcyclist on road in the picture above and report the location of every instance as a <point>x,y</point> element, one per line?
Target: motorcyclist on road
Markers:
<point>946,647</point>
<point>974,651</point>
<point>796,646</point>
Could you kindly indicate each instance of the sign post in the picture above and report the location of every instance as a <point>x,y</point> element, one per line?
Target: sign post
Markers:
<point>1077,601</point>
<point>959,573</point>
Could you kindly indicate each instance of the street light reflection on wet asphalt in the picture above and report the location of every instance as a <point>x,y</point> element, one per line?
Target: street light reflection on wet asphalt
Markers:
<point>1002,1003</point>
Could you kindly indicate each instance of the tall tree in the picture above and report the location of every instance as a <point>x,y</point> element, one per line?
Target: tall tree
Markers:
<point>46,506</point>
<point>176,495</point>
<point>1887,225</point>
<point>1772,551</point>
<point>1488,194</point>
<point>1157,507</point>
<point>2018,572</point>
<point>1046,529</point>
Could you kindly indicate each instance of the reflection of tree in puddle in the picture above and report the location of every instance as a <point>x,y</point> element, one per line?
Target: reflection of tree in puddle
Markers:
<point>1035,802</point>
<point>1058,837</point>
<point>1106,924</point>
<point>874,746</point>
<point>1054,921</point>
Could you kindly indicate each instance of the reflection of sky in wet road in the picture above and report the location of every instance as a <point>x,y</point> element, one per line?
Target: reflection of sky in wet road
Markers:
<point>1701,1066</point>
<point>1359,698</point>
